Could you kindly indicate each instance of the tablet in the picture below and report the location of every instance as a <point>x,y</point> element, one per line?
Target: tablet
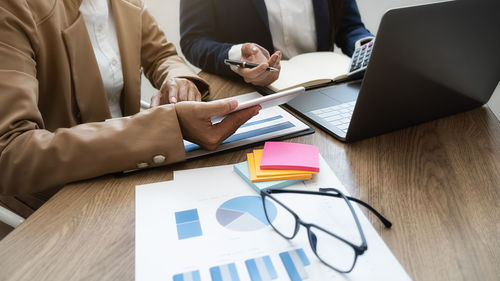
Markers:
<point>272,99</point>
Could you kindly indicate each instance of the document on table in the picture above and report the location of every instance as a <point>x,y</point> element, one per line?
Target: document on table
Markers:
<point>207,225</point>
<point>270,123</point>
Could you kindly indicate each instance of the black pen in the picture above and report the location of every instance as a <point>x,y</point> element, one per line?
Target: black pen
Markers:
<point>245,64</point>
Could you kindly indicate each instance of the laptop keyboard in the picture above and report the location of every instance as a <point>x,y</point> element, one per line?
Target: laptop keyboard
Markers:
<point>340,115</point>
<point>337,115</point>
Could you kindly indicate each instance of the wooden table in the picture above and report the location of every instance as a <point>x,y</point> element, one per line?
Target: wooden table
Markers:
<point>438,182</point>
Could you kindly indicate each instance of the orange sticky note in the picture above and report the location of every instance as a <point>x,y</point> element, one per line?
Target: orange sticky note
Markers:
<point>255,178</point>
<point>257,154</point>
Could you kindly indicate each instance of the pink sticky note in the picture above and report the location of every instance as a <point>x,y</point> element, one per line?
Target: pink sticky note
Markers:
<point>292,156</point>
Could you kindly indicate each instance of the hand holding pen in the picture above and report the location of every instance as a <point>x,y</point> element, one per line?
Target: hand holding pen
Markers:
<point>259,68</point>
<point>245,64</point>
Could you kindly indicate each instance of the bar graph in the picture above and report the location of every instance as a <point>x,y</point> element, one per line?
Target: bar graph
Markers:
<point>188,224</point>
<point>257,128</point>
<point>295,262</point>
<point>188,276</point>
<point>261,269</point>
<point>226,272</point>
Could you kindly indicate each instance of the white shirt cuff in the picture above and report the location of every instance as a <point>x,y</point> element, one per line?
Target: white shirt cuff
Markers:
<point>234,54</point>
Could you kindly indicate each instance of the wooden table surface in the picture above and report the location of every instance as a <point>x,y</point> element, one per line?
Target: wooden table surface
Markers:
<point>438,182</point>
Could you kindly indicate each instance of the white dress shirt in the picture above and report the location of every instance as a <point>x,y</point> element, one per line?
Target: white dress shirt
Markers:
<point>292,25</point>
<point>102,32</point>
<point>293,29</point>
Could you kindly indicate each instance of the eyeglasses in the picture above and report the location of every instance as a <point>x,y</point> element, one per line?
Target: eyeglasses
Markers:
<point>331,249</point>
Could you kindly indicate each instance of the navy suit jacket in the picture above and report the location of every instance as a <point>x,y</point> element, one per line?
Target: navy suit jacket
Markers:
<point>209,28</point>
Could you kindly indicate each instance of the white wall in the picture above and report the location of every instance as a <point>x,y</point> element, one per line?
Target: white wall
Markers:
<point>494,102</point>
<point>166,13</point>
<point>373,10</point>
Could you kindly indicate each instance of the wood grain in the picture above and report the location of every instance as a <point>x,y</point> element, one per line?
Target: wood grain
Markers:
<point>438,182</point>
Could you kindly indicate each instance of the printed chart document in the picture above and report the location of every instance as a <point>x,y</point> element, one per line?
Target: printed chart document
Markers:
<point>208,225</point>
<point>270,123</point>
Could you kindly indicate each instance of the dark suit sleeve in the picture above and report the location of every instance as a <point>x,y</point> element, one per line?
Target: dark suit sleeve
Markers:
<point>198,39</point>
<point>352,29</point>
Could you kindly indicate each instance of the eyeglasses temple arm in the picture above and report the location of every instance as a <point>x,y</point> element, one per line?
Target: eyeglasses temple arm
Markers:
<point>385,221</point>
<point>327,191</point>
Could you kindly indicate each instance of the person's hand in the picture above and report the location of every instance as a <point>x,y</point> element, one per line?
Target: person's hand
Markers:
<point>196,125</point>
<point>175,90</point>
<point>258,75</point>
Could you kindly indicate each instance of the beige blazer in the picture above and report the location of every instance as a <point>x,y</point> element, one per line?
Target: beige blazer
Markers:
<point>53,103</point>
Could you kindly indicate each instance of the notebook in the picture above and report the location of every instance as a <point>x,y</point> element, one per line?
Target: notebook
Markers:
<point>321,68</point>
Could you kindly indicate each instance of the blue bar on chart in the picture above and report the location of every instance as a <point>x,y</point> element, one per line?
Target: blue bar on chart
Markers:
<point>248,124</point>
<point>295,262</point>
<point>188,224</point>
<point>226,272</point>
<point>188,276</point>
<point>261,269</point>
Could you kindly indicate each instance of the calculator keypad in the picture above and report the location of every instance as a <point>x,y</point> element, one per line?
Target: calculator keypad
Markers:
<point>361,57</point>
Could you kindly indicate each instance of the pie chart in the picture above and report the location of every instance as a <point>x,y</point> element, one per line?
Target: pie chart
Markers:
<point>245,213</point>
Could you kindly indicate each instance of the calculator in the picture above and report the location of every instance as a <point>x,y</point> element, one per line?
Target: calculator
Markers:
<point>359,60</point>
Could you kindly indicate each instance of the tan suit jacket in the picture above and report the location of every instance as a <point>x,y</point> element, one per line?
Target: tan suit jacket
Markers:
<point>53,103</point>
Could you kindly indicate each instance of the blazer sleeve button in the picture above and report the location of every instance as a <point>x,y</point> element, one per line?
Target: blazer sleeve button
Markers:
<point>158,159</point>
<point>142,165</point>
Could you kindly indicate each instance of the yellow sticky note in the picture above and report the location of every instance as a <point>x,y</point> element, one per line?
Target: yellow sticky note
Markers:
<point>255,178</point>
<point>257,153</point>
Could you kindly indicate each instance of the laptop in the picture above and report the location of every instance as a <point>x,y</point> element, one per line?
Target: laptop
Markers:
<point>428,61</point>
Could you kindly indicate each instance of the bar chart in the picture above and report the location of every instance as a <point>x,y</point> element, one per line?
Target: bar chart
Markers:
<point>261,269</point>
<point>295,262</point>
<point>226,272</point>
<point>188,276</point>
<point>256,128</point>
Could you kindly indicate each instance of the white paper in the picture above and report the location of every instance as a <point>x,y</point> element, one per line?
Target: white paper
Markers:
<point>160,254</point>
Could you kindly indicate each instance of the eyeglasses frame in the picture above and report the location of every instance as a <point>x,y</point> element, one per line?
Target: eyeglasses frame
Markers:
<point>358,249</point>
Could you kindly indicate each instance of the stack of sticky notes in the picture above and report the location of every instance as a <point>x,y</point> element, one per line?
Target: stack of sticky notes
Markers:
<point>257,174</point>
<point>242,170</point>
<point>279,164</point>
